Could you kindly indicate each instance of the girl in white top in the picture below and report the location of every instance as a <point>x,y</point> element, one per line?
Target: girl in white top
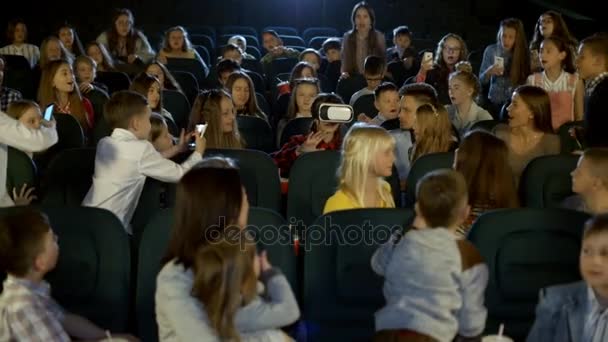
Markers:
<point>463,89</point>
<point>177,45</point>
<point>560,81</point>
<point>125,42</point>
<point>28,113</point>
<point>194,293</point>
<point>17,34</point>
<point>19,136</point>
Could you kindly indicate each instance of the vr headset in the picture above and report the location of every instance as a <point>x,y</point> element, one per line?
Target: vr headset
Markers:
<point>336,113</point>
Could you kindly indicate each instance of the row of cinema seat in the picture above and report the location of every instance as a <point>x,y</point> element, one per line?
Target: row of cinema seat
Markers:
<point>545,183</point>
<point>100,277</point>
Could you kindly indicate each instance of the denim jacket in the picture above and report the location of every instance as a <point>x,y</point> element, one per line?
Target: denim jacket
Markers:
<point>562,313</point>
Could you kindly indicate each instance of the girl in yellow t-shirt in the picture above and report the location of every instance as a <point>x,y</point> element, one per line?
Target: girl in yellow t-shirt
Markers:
<point>367,157</point>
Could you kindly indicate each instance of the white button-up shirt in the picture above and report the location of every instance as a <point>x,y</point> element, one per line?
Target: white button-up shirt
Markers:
<point>122,164</point>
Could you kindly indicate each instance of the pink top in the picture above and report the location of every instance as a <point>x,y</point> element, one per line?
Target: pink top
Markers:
<point>561,94</point>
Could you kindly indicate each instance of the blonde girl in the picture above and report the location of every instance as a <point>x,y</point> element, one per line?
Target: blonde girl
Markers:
<point>432,131</point>
<point>163,141</point>
<point>464,88</point>
<point>177,45</point>
<point>367,157</point>
<point>215,108</point>
<point>52,49</point>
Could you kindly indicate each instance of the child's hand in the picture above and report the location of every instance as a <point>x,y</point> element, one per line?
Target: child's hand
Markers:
<point>162,59</point>
<point>182,144</point>
<point>310,145</point>
<point>24,197</point>
<point>85,87</point>
<point>49,124</point>
<point>363,118</point>
<point>132,58</point>
<point>264,263</point>
<point>408,62</point>
<point>426,66</point>
<point>200,143</point>
<point>494,70</point>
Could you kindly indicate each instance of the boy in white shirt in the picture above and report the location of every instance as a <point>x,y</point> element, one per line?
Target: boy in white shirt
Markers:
<point>126,158</point>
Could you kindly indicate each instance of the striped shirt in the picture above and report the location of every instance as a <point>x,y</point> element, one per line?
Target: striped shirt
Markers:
<point>28,313</point>
<point>29,51</point>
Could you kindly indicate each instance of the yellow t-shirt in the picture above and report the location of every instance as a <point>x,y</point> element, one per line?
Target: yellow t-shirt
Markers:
<point>342,201</point>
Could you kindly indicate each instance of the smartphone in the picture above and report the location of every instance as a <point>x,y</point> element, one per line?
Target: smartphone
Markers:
<point>428,56</point>
<point>336,113</point>
<point>201,128</point>
<point>499,61</point>
<point>48,112</point>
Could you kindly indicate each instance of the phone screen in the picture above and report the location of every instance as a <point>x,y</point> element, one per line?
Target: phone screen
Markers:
<point>48,112</point>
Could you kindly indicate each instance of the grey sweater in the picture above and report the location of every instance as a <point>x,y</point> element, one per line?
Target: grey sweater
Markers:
<point>434,284</point>
<point>181,317</point>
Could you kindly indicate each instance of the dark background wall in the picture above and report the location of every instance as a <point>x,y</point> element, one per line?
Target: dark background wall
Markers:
<point>475,20</point>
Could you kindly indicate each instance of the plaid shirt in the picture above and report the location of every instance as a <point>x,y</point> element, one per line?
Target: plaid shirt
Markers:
<point>594,82</point>
<point>286,156</point>
<point>8,95</point>
<point>28,313</point>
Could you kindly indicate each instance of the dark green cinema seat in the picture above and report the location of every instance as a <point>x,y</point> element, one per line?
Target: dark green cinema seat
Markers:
<point>341,291</point>
<point>546,181</point>
<point>421,167</point>
<point>525,250</point>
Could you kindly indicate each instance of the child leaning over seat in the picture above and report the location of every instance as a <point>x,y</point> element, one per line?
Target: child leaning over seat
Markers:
<point>434,282</point>
<point>124,159</point>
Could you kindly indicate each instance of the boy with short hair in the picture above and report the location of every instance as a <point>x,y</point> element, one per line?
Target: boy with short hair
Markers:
<point>386,101</point>
<point>331,49</point>
<point>274,48</point>
<point>125,158</point>
<point>590,182</point>
<point>28,251</point>
<point>403,49</point>
<point>224,68</point>
<point>577,312</point>
<point>592,65</point>
<point>445,297</point>
<point>233,52</point>
<point>241,42</point>
<point>373,70</point>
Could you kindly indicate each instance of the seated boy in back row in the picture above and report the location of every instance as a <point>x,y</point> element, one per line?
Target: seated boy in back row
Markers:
<point>373,70</point>
<point>386,101</point>
<point>28,251</point>
<point>125,158</point>
<point>434,282</point>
